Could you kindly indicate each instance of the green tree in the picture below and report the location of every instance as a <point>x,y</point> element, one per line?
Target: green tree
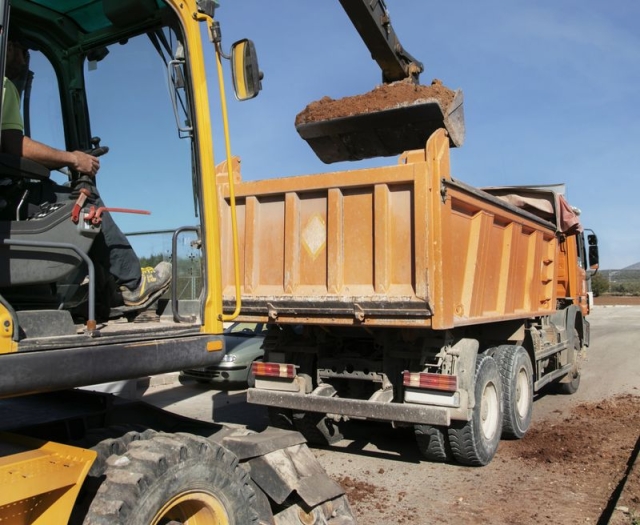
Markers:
<point>599,284</point>
<point>151,260</point>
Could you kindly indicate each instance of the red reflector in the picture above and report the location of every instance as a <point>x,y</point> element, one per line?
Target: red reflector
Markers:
<point>430,381</point>
<point>274,370</point>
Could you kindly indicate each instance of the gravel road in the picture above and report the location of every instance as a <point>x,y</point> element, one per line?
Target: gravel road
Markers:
<point>574,465</point>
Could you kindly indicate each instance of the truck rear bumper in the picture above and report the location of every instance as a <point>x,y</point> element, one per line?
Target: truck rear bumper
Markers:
<point>398,412</point>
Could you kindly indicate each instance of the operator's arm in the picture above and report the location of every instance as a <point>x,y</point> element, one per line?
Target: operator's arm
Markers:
<point>15,143</point>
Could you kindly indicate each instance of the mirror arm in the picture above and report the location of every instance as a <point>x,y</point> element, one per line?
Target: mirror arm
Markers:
<point>215,34</point>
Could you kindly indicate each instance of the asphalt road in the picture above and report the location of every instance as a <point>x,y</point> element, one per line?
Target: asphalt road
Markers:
<point>396,484</point>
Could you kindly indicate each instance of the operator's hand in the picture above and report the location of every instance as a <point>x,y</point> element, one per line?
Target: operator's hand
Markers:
<point>85,163</point>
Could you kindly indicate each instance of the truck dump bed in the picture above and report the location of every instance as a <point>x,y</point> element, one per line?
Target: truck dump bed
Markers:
<point>402,246</point>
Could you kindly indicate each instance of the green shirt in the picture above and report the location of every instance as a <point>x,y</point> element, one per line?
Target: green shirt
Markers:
<point>11,116</point>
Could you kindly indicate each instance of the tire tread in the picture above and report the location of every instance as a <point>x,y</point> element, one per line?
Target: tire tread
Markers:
<point>466,446</point>
<point>130,476</point>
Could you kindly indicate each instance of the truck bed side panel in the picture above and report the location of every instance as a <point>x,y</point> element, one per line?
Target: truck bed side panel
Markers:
<point>394,246</point>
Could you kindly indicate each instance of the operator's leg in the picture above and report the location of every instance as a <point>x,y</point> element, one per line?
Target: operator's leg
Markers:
<point>136,284</point>
<point>124,264</point>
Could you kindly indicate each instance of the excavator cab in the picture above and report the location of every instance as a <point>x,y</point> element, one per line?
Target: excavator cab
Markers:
<point>48,233</point>
<point>43,253</point>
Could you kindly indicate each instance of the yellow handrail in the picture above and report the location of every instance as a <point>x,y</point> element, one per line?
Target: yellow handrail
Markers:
<point>232,196</point>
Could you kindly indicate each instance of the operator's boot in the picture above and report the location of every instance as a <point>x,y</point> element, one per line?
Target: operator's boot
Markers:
<point>153,283</point>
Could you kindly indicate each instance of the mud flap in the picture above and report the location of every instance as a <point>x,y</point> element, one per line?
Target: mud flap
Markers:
<point>282,466</point>
<point>384,133</point>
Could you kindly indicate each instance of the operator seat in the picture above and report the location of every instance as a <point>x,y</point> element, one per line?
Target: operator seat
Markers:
<point>37,211</point>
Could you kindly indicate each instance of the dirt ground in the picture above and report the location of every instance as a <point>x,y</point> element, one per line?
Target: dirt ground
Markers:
<point>579,462</point>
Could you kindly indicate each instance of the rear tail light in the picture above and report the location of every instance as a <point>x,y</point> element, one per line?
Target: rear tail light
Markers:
<point>428,381</point>
<point>274,370</point>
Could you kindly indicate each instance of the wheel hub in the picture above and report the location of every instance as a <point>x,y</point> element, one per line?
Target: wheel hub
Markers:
<point>192,508</point>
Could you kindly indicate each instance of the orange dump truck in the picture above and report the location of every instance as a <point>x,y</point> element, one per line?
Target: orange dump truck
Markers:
<point>400,294</point>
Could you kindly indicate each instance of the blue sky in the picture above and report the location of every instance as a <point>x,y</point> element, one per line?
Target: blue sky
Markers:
<point>550,91</point>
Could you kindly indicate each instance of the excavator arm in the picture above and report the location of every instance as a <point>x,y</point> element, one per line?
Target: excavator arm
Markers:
<point>372,21</point>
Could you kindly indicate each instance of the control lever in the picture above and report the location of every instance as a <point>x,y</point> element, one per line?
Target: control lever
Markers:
<point>95,213</point>
<point>24,198</point>
<point>96,149</point>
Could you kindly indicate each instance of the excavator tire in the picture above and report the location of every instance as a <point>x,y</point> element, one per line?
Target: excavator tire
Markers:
<point>106,442</point>
<point>174,478</point>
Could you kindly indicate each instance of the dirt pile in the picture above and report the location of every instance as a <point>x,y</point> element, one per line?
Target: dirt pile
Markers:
<point>589,438</point>
<point>594,449</point>
<point>571,470</point>
<point>386,96</point>
<point>363,494</point>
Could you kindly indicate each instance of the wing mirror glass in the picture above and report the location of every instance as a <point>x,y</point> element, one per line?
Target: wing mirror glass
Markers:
<point>594,257</point>
<point>246,74</point>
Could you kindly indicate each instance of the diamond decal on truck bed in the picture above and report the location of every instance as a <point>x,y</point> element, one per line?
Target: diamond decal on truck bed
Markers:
<point>314,236</point>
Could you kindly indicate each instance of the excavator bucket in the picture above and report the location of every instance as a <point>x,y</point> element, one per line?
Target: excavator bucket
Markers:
<point>403,126</point>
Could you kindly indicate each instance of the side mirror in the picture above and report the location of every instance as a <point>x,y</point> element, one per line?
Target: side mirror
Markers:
<point>594,257</point>
<point>245,71</point>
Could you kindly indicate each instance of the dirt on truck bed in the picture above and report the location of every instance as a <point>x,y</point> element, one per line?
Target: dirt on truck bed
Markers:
<point>389,120</point>
<point>386,96</point>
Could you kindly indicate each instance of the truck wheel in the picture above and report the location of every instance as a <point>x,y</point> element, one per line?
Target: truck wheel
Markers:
<point>475,442</point>
<point>516,373</point>
<point>316,428</point>
<point>433,443</point>
<point>571,382</point>
<point>174,478</point>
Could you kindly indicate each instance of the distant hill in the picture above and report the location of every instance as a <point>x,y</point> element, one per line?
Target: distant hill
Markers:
<point>635,266</point>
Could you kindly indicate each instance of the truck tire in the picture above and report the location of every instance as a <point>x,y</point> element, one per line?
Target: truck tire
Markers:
<point>571,382</point>
<point>174,478</point>
<point>516,373</point>
<point>475,442</point>
<point>433,443</point>
<point>316,428</point>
